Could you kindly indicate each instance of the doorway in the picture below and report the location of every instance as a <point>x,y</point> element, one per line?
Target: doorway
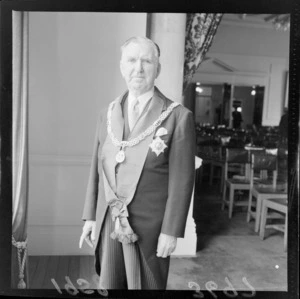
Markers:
<point>215,103</point>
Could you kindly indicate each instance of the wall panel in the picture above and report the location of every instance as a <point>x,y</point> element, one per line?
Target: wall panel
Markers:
<point>73,74</point>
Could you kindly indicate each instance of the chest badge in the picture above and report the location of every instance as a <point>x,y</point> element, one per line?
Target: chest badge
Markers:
<point>158,146</point>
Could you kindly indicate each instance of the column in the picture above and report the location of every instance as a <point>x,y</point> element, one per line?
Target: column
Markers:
<point>168,31</point>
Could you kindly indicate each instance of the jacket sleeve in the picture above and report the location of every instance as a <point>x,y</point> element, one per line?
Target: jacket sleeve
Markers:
<point>181,176</point>
<point>90,205</point>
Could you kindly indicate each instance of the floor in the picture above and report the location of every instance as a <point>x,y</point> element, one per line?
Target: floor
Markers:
<point>229,251</point>
<point>229,254</point>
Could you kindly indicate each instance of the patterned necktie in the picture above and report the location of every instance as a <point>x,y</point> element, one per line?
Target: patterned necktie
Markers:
<point>134,113</point>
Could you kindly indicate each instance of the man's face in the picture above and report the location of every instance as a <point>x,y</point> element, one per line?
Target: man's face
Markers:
<point>139,67</point>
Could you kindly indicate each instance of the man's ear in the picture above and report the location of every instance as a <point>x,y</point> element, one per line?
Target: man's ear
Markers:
<point>158,70</point>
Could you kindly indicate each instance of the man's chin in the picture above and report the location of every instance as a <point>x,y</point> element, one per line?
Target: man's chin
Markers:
<point>138,89</point>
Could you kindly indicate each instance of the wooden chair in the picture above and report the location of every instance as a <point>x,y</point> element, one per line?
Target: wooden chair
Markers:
<point>211,157</point>
<point>235,160</point>
<point>265,187</point>
<point>280,206</point>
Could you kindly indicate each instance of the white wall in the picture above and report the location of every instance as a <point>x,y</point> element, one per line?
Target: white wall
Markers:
<point>259,55</point>
<point>73,73</point>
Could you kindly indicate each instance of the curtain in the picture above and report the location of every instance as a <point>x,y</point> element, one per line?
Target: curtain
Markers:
<point>19,262</point>
<point>200,31</point>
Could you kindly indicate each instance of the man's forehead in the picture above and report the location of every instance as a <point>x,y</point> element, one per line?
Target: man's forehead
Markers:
<point>137,47</point>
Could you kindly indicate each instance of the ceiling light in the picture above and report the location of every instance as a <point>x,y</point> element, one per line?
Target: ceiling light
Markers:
<point>199,89</point>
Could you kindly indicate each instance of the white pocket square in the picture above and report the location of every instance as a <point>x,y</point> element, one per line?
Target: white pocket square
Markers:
<point>161,132</point>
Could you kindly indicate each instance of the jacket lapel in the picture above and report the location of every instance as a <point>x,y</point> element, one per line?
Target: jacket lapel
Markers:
<point>117,118</point>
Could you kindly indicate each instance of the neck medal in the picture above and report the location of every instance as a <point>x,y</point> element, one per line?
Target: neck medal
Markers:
<point>120,156</point>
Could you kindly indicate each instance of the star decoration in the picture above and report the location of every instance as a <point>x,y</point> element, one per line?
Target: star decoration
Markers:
<point>158,146</point>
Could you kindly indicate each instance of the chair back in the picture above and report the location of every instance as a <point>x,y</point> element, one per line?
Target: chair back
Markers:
<point>256,151</point>
<point>235,156</point>
<point>264,164</point>
<point>263,161</point>
<point>204,152</point>
<point>215,152</point>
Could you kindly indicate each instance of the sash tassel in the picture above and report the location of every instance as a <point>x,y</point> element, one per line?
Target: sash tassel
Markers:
<point>123,231</point>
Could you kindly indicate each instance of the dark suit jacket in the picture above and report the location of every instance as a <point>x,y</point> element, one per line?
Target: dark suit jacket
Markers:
<point>162,197</point>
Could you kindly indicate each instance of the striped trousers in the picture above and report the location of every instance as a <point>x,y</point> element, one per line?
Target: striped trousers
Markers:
<point>123,266</point>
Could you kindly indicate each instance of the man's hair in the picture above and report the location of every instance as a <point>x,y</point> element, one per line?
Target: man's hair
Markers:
<point>139,40</point>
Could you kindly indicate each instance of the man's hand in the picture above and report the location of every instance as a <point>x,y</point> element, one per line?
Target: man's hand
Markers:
<point>88,233</point>
<point>166,245</point>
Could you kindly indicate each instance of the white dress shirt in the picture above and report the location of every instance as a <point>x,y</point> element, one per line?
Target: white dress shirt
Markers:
<point>143,101</point>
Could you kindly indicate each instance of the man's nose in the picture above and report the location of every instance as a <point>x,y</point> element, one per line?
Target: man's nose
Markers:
<point>139,66</point>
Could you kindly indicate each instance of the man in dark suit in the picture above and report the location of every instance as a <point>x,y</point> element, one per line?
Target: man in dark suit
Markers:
<point>236,118</point>
<point>141,177</point>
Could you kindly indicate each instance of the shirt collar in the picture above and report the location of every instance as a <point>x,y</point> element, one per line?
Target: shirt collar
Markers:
<point>143,99</point>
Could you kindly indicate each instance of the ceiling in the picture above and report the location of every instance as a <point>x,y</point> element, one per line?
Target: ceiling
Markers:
<point>248,20</point>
